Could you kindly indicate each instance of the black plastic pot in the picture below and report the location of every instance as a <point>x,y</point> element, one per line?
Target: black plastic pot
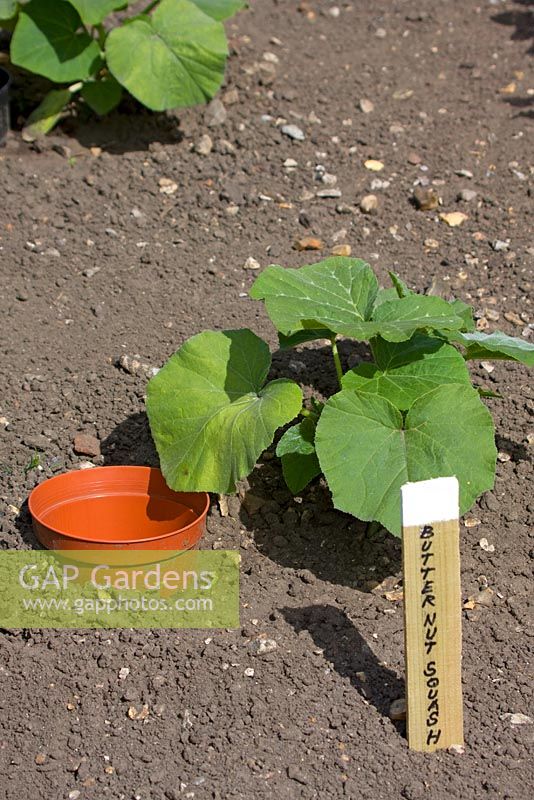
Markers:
<point>5,81</point>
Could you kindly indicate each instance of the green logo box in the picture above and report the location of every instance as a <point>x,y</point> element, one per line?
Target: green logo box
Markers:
<point>119,589</point>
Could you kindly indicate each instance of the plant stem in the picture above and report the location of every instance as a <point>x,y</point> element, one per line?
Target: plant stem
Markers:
<point>101,35</point>
<point>149,7</point>
<point>337,360</point>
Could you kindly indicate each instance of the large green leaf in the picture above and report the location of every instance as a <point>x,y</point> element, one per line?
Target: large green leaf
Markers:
<point>210,413</point>
<point>102,95</point>
<point>297,453</point>
<point>404,371</point>
<point>46,115</point>
<point>47,40</point>
<point>301,337</point>
<point>334,294</point>
<point>93,12</point>
<point>220,9</point>
<point>367,453</point>
<point>179,55</point>
<point>495,345</point>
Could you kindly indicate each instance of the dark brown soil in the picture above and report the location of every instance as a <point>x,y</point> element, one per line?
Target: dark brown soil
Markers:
<point>313,721</point>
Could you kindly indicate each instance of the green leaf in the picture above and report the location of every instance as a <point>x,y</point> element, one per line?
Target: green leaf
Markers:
<point>47,40</point>
<point>103,95</point>
<point>495,346</point>
<point>46,115</point>
<point>300,337</point>
<point>220,9</point>
<point>180,55</point>
<point>334,294</point>
<point>297,453</point>
<point>210,413</point>
<point>398,320</point>
<point>400,287</point>
<point>464,311</point>
<point>8,9</point>
<point>93,12</point>
<point>366,455</point>
<point>405,371</point>
<point>384,295</point>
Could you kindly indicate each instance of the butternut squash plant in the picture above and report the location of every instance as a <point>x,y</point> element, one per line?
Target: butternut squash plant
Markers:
<point>171,54</point>
<point>411,414</point>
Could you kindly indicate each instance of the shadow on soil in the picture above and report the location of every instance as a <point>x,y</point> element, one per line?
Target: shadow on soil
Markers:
<point>522,20</point>
<point>345,647</point>
<point>130,443</point>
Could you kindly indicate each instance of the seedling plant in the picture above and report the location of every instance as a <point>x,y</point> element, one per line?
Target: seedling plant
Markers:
<point>409,414</point>
<point>171,54</point>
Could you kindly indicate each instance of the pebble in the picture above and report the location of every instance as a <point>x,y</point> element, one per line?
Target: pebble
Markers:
<point>369,204</point>
<point>308,243</point>
<point>251,264</point>
<point>456,749</point>
<point>425,199</point>
<point>467,195</point>
<point>414,158</point>
<point>86,445</point>
<point>204,146</point>
<point>397,710</point>
<point>294,132</point>
<point>373,165</point>
<point>166,186</point>
<point>231,97</point>
<point>499,245</point>
<point>90,272</point>
<point>342,250</point>
<point>134,366</point>
<point>367,106</point>
<point>486,546</point>
<point>249,672</point>
<point>40,759</point>
<point>488,366</point>
<point>328,193</point>
<point>376,183</point>
<point>432,244</point>
<point>454,218</point>
<point>123,673</point>
<point>74,794</point>
<point>463,173</point>
<point>260,647</point>
<point>518,719</point>
<point>290,164</point>
<point>215,113</point>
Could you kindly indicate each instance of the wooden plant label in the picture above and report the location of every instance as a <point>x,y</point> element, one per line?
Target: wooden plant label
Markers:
<point>432,613</point>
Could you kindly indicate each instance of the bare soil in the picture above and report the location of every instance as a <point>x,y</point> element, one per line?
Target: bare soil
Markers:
<point>97,262</point>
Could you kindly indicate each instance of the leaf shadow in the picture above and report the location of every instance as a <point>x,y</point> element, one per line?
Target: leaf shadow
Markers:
<point>130,442</point>
<point>307,533</point>
<point>345,647</point>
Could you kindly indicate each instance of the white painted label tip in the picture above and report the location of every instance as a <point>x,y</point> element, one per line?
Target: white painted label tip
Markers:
<point>435,500</point>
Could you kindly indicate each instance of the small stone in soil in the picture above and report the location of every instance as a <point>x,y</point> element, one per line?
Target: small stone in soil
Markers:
<point>373,165</point>
<point>366,106</point>
<point>485,545</point>
<point>342,250</point>
<point>425,199</point>
<point>454,218</point>
<point>467,195</point>
<point>86,445</point>
<point>308,243</point>
<point>397,709</point>
<point>204,146</point>
<point>215,113</point>
<point>369,203</point>
<point>249,672</point>
<point>518,719</point>
<point>499,245</point>
<point>167,186</point>
<point>40,759</point>
<point>260,647</point>
<point>456,749</point>
<point>251,264</point>
<point>294,132</point>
